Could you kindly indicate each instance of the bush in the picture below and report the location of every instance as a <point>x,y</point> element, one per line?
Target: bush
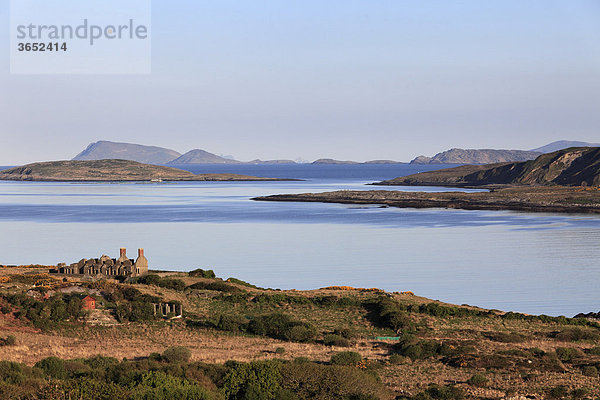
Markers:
<point>590,370</point>
<point>281,326</point>
<point>173,284</point>
<point>242,283</point>
<point>478,380</point>
<point>441,392</point>
<point>558,392</point>
<point>580,393</point>
<point>576,334</point>
<point>335,340</point>
<point>397,359</point>
<point>168,283</point>
<point>231,323</point>
<point>389,313</point>
<point>255,380</point>
<point>177,354</point>
<point>202,273</point>
<point>100,362</point>
<point>346,358</point>
<point>156,385</point>
<point>568,354</point>
<point>280,350</point>
<point>53,366</point>
<point>315,381</point>
<point>300,333</point>
<point>10,340</point>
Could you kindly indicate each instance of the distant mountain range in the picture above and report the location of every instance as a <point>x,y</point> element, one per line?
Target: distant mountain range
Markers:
<point>157,155</point>
<point>104,150</point>
<point>564,144</point>
<point>573,166</point>
<point>476,156</point>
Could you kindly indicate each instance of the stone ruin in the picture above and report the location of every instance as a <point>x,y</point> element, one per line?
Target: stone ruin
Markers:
<point>107,267</point>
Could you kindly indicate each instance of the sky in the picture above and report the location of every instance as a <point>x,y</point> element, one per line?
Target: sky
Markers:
<point>343,79</point>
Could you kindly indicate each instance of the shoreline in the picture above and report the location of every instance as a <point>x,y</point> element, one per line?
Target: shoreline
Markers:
<point>556,199</point>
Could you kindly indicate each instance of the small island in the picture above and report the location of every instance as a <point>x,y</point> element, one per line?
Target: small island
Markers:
<point>112,171</point>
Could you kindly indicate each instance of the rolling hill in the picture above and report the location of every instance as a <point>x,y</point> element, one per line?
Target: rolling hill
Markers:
<point>572,167</point>
<point>104,150</point>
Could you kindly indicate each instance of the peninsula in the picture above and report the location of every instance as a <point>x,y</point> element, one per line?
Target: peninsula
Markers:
<point>111,171</point>
<point>563,181</point>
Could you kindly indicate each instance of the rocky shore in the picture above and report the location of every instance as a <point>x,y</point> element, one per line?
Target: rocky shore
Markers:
<point>531,199</point>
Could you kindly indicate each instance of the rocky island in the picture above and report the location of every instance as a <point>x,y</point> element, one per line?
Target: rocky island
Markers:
<point>563,181</point>
<point>111,171</point>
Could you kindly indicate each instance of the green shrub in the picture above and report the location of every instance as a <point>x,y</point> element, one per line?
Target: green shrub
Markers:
<point>590,370</point>
<point>177,354</point>
<point>13,373</point>
<point>576,334</point>
<point>100,362</point>
<point>156,385</point>
<point>202,273</point>
<point>156,280</point>
<point>441,392</point>
<point>568,354</point>
<point>242,283</point>
<point>478,380</point>
<point>255,380</point>
<point>580,393</point>
<point>300,333</point>
<point>53,366</point>
<point>231,323</point>
<point>315,381</point>
<point>280,350</point>
<point>397,359</point>
<point>150,279</point>
<point>10,340</point>
<point>174,284</point>
<point>346,358</point>
<point>558,392</point>
<point>388,313</point>
<point>335,340</point>
<point>88,388</point>
<point>281,326</point>
<point>344,332</point>
<point>416,349</point>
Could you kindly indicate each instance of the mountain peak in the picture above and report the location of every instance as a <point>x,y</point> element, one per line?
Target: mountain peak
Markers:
<point>104,149</point>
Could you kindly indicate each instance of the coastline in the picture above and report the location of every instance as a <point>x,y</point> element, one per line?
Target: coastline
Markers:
<point>555,199</point>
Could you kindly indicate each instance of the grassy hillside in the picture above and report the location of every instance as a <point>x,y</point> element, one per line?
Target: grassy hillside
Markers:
<point>573,167</point>
<point>237,341</point>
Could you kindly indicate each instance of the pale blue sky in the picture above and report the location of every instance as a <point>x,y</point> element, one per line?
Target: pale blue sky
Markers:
<point>343,79</point>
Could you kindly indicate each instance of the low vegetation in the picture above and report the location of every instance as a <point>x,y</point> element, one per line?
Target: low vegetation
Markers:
<point>331,343</point>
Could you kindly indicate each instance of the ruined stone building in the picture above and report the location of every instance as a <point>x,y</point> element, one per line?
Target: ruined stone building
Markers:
<point>108,267</point>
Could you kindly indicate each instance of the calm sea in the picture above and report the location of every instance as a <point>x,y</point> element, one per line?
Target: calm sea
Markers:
<point>534,263</point>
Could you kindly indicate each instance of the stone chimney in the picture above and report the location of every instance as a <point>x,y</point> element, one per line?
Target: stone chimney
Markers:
<point>141,264</point>
<point>123,252</point>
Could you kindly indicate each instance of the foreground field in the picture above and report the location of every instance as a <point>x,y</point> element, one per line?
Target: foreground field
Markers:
<point>388,345</point>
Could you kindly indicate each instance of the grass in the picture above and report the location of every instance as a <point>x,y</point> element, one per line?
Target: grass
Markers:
<point>524,355</point>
